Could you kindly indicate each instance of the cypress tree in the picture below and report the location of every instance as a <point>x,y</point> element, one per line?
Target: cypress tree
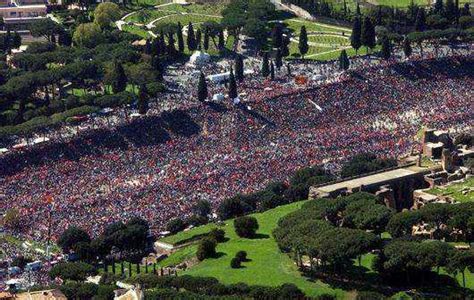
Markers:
<point>155,47</point>
<point>386,48</point>
<point>198,39</point>
<point>202,88</point>
<point>451,11</point>
<point>122,268</point>
<point>358,9</point>
<point>288,70</point>
<point>303,42</point>
<point>221,43</point>
<point>239,68</point>
<point>265,65</point>
<point>162,43</point>
<point>179,35</point>
<point>147,49</point>
<point>420,22</point>
<point>368,34</point>
<point>129,269</point>
<point>438,7</point>
<point>232,85</point>
<point>407,48</point>
<point>142,100</point>
<point>356,35</point>
<point>118,78</point>
<point>191,39</point>
<point>277,36</point>
<point>272,71</point>
<point>343,60</point>
<point>285,50</point>
<point>278,59</point>
<point>206,40</point>
<point>156,65</point>
<point>171,46</point>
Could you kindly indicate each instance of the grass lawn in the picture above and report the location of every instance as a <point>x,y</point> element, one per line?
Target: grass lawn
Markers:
<point>268,266</point>
<point>329,40</point>
<point>296,23</point>
<point>455,190</point>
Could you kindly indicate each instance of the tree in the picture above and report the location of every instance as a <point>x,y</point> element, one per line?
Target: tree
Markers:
<point>265,65</point>
<point>87,35</point>
<point>343,61</point>
<point>175,225</point>
<point>246,227</point>
<point>16,40</point>
<point>157,67</point>
<point>356,42</point>
<point>171,49</point>
<point>72,236</point>
<point>256,29</point>
<point>466,10</point>
<point>239,68</point>
<point>117,78</point>
<point>44,28</point>
<point>217,234</point>
<point>235,263</point>
<point>438,7</point>
<point>221,43</point>
<point>241,255</point>
<point>459,261</point>
<point>205,43</point>
<point>232,85</point>
<point>202,208</point>
<point>386,48</point>
<point>64,38</point>
<point>407,48</point>
<point>368,34</point>
<point>77,271</point>
<point>303,42</point>
<point>206,249</point>
<point>179,34</point>
<point>278,59</point>
<point>451,11</point>
<point>202,88</point>
<point>143,100</point>
<point>106,13</point>
<point>277,36</point>
<point>198,39</point>
<point>272,71</point>
<point>420,22</point>
<point>285,50</point>
<point>191,38</point>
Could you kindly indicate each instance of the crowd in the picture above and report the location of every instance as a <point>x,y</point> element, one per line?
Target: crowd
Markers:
<point>158,166</point>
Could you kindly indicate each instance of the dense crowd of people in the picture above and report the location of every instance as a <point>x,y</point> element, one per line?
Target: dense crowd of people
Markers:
<point>158,166</point>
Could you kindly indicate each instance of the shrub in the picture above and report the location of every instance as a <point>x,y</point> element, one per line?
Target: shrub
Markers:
<point>241,255</point>
<point>235,263</point>
<point>217,234</point>
<point>196,220</point>
<point>246,227</point>
<point>155,88</point>
<point>206,249</point>
<point>77,271</point>
<point>175,225</point>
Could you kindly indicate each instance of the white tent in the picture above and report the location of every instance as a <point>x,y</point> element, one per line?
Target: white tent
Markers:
<point>218,97</point>
<point>199,58</point>
<point>3,150</point>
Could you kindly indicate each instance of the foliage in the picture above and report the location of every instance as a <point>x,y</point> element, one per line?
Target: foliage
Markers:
<point>206,249</point>
<point>246,226</point>
<point>76,271</point>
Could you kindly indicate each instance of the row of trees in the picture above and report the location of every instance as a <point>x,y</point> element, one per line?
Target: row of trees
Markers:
<point>332,233</point>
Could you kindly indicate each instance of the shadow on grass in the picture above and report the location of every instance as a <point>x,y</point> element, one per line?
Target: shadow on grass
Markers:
<point>260,236</point>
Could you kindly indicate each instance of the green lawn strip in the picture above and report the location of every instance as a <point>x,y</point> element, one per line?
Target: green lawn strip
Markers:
<point>329,40</point>
<point>136,30</point>
<point>455,190</point>
<point>147,15</point>
<point>296,23</point>
<point>186,19</point>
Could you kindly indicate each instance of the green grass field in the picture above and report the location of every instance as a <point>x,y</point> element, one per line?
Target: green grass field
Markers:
<point>456,190</point>
<point>268,266</point>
